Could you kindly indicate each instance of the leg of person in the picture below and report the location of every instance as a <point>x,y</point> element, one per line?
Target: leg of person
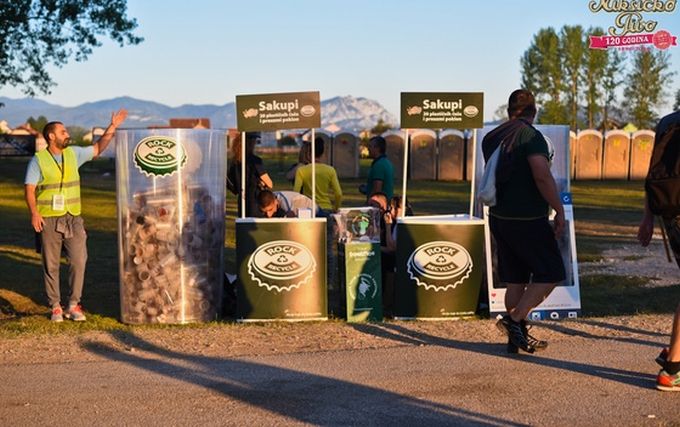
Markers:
<point>51,242</point>
<point>669,377</point>
<point>542,257</point>
<point>514,273</point>
<point>532,297</point>
<point>76,248</point>
<point>513,295</point>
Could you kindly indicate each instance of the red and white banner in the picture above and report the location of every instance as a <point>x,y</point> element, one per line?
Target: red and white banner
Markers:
<point>662,39</point>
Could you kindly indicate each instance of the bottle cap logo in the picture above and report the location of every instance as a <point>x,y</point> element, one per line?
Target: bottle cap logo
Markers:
<point>159,156</point>
<point>281,265</point>
<point>439,265</point>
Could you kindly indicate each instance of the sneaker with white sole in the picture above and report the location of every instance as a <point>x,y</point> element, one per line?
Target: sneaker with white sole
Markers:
<point>75,313</point>
<point>57,315</point>
<point>668,382</point>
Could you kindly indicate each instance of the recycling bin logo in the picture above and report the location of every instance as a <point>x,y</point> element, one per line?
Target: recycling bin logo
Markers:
<point>439,265</point>
<point>360,224</point>
<point>281,265</point>
<point>159,156</point>
<point>363,287</point>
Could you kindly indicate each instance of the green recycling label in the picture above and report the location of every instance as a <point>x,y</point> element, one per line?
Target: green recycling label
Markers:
<point>159,156</point>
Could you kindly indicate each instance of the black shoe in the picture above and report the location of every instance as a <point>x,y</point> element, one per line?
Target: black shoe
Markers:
<point>515,334</point>
<point>534,342</point>
<point>661,358</point>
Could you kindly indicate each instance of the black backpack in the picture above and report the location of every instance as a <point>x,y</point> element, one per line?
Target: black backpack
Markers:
<point>662,185</point>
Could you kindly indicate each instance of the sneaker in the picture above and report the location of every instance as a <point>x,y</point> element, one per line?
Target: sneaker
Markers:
<point>534,342</point>
<point>75,313</point>
<point>57,315</point>
<point>668,382</point>
<point>515,333</point>
<point>661,358</point>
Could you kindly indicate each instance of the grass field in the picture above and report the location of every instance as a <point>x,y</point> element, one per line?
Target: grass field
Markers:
<point>607,214</point>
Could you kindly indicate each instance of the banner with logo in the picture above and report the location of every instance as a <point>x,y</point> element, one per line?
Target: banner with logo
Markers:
<point>281,269</point>
<point>361,281</point>
<point>440,264</point>
<point>442,110</point>
<point>274,111</point>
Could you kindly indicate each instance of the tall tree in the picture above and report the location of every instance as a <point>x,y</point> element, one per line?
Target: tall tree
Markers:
<point>644,90</point>
<point>610,83</point>
<point>37,124</point>
<point>542,74</point>
<point>572,45</point>
<point>36,33</point>
<point>593,78</point>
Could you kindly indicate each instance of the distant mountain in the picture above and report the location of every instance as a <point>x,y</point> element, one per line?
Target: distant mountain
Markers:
<point>346,112</point>
<point>352,113</point>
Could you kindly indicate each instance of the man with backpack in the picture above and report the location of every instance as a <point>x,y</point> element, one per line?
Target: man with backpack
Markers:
<point>662,197</point>
<point>529,260</point>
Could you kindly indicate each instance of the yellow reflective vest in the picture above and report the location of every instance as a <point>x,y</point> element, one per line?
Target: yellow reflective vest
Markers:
<point>54,182</point>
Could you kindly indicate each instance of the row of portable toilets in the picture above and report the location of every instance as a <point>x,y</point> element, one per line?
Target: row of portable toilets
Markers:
<point>447,155</point>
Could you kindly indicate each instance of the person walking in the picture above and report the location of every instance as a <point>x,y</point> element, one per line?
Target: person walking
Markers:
<point>529,260</point>
<point>668,378</point>
<point>52,192</point>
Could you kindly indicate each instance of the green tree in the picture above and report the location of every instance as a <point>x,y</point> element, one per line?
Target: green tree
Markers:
<point>610,82</point>
<point>572,44</point>
<point>37,124</point>
<point>380,127</point>
<point>542,74</point>
<point>676,105</point>
<point>644,90</point>
<point>596,61</point>
<point>38,33</point>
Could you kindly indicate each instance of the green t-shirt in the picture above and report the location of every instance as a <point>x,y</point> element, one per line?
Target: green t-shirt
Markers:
<point>518,197</point>
<point>382,170</point>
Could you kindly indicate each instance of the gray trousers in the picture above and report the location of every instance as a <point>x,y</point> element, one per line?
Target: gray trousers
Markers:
<point>69,231</point>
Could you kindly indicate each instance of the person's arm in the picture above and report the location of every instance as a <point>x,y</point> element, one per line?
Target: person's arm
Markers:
<point>37,220</point>
<point>337,191</point>
<point>117,119</point>
<point>297,185</point>
<point>540,170</point>
<point>390,243</point>
<point>646,228</point>
<point>266,180</point>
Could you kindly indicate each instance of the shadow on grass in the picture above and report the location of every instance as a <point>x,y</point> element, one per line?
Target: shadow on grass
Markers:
<point>407,336</point>
<point>297,395</point>
<point>610,295</point>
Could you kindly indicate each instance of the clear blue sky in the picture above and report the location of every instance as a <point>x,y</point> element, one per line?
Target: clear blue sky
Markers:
<point>201,51</point>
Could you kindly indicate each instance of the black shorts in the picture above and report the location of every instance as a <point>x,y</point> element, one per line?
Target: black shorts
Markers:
<point>527,251</point>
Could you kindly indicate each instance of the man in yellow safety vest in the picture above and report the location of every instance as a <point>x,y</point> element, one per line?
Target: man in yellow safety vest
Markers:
<point>52,190</point>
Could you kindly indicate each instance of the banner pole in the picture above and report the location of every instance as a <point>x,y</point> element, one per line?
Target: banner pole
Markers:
<point>404,175</point>
<point>313,174</point>
<point>474,167</point>
<point>243,174</point>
